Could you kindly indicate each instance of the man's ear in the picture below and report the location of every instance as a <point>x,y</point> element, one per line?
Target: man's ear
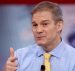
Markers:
<point>59,26</point>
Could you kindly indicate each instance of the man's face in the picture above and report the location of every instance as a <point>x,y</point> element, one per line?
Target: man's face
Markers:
<point>44,28</point>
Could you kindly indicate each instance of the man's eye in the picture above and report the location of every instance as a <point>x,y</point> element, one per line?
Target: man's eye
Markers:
<point>35,25</point>
<point>45,24</point>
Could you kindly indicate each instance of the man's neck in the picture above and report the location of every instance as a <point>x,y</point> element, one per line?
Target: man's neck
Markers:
<point>53,45</point>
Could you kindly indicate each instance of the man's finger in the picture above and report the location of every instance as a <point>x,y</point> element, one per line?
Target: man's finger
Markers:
<point>12,59</point>
<point>11,52</point>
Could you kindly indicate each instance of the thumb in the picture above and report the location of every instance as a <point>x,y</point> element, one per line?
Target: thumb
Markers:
<point>11,52</point>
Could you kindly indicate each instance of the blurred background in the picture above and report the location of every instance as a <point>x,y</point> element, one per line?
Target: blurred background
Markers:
<point>15,26</point>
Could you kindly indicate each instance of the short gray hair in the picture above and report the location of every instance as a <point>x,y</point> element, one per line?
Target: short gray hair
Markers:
<point>49,6</point>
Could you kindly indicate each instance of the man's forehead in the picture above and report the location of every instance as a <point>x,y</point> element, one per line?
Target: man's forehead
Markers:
<point>42,12</point>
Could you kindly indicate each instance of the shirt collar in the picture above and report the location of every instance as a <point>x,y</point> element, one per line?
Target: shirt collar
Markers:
<point>57,52</point>
<point>40,51</point>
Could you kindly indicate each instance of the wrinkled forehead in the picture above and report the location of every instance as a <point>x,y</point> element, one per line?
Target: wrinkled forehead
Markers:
<point>43,15</point>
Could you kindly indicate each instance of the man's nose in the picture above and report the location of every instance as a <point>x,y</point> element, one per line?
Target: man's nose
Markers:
<point>39,29</point>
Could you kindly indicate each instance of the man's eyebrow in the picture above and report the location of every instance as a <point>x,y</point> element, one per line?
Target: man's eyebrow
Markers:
<point>33,21</point>
<point>42,21</point>
<point>45,20</point>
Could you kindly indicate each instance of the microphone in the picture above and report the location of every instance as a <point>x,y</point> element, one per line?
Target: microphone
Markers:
<point>42,67</point>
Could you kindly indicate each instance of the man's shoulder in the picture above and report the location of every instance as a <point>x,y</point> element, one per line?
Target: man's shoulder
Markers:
<point>70,51</point>
<point>26,51</point>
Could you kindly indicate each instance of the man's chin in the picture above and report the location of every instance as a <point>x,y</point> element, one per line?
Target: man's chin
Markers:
<point>41,44</point>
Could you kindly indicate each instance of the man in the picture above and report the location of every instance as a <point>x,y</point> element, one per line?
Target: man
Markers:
<point>47,24</point>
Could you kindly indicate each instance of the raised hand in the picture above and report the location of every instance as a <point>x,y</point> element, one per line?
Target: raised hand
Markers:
<point>11,64</point>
